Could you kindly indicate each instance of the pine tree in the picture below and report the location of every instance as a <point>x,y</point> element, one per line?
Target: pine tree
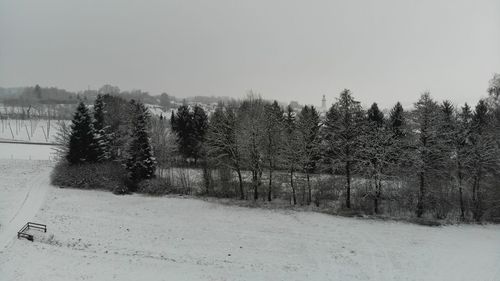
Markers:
<point>462,146</point>
<point>291,154</point>
<point>140,163</point>
<point>447,136</point>
<point>343,130</point>
<point>198,133</point>
<point>484,156</point>
<point>376,152</point>
<point>101,136</point>
<point>274,127</point>
<point>428,156</point>
<point>181,125</point>
<point>82,143</point>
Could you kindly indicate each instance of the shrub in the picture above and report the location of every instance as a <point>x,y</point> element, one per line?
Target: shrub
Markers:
<point>106,176</point>
<point>155,186</point>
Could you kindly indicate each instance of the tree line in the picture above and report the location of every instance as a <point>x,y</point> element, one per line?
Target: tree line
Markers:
<point>442,160</point>
<point>434,160</point>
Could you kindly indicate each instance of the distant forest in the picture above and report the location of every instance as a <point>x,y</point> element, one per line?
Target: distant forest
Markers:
<point>35,95</point>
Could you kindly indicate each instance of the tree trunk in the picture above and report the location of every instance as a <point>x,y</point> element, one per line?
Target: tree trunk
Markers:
<point>378,192</point>
<point>206,178</point>
<point>255,185</point>
<point>242,193</point>
<point>348,185</point>
<point>420,203</point>
<point>270,190</point>
<point>309,199</point>
<point>293,188</point>
<point>460,192</point>
<point>476,199</point>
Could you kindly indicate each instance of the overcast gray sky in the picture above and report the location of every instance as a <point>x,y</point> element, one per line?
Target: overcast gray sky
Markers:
<point>383,51</point>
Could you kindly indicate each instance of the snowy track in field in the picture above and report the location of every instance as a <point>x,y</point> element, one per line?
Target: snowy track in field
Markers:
<point>22,211</point>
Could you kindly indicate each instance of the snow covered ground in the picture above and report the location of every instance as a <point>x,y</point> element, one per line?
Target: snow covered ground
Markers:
<point>95,235</point>
<point>26,151</point>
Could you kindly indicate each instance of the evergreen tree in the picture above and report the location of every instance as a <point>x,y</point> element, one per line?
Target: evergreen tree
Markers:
<point>375,116</point>
<point>198,133</point>
<point>291,153</point>
<point>117,114</point>
<point>182,126</point>
<point>274,127</point>
<point>447,136</point>
<point>101,136</point>
<point>82,143</point>
<point>308,126</point>
<point>140,163</point>
<point>428,156</point>
<point>396,121</point>
<point>462,146</point>
<point>343,130</point>
<point>376,152</point>
<point>190,128</point>
<point>484,156</point>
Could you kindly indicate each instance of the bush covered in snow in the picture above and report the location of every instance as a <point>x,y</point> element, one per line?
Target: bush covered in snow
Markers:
<point>107,176</point>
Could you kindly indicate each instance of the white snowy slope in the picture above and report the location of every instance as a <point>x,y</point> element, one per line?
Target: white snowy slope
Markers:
<point>95,235</point>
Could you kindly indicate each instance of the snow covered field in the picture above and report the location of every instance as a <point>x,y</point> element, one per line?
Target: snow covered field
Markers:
<point>26,151</point>
<point>95,235</point>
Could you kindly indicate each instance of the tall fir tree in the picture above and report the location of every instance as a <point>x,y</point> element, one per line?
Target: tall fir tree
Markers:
<point>273,140</point>
<point>428,157</point>
<point>291,155</point>
<point>462,145</point>
<point>101,135</point>
<point>484,156</point>
<point>342,134</point>
<point>376,152</point>
<point>140,162</point>
<point>198,133</point>
<point>82,146</point>
<point>308,126</point>
<point>182,126</point>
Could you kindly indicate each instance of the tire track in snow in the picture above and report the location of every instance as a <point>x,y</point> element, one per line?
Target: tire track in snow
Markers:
<point>33,200</point>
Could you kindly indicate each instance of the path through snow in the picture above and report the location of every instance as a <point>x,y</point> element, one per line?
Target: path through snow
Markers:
<point>22,211</point>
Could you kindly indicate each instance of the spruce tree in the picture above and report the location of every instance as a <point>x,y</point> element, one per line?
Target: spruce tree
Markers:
<point>427,154</point>
<point>182,125</point>
<point>198,134</point>
<point>463,153</point>
<point>273,139</point>
<point>101,135</point>
<point>82,143</point>
<point>140,163</point>
<point>291,155</point>
<point>396,120</point>
<point>376,152</point>
<point>308,126</point>
<point>343,130</point>
<point>484,156</point>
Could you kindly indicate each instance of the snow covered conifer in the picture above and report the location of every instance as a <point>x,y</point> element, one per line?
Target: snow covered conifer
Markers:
<point>140,163</point>
<point>101,135</point>
<point>82,143</point>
